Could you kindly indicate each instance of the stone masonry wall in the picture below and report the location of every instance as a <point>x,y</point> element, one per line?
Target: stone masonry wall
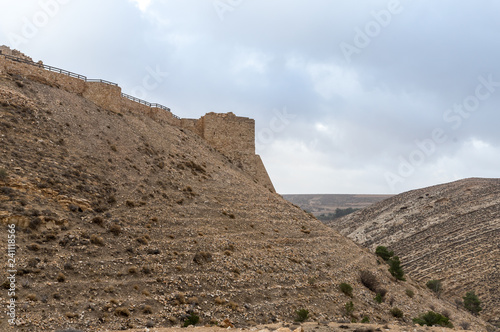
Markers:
<point>231,135</point>
<point>38,74</point>
<point>228,133</point>
<point>105,95</point>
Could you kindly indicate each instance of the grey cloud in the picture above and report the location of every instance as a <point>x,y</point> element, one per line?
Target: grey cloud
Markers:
<point>354,120</point>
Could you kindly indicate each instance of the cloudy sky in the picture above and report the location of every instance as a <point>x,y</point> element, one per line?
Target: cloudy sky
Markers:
<point>348,96</point>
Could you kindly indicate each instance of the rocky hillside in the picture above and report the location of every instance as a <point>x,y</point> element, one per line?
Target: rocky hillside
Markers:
<point>448,232</point>
<point>123,221</point>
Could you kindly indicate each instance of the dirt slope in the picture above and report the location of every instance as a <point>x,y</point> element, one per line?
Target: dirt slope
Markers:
<point>448,232</point>
<point>126,222</point>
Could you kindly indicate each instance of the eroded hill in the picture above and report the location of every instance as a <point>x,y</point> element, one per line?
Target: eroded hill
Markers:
<point>125,221</point>
<point>448,232</point>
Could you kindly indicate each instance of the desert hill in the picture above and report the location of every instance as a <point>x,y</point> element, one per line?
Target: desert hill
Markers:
<point>447,232</point>
<point>328,203</point>
<point>124,220</point>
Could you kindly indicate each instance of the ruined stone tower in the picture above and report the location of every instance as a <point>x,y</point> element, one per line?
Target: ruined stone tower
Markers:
<point>233,136</point>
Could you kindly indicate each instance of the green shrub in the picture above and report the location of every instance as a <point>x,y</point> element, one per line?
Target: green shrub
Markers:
<point>393,261</point>
<point>192,319</point>
<point>365,319</point>
<point>396,312</point>
<point>378,298</point>
<point>302,315</point>
<point>382,292</point>
<point>349,308</point>
<point>384,253</point>
<point>346,289</point>
<point>435,286</point>
<point>410,293</point>
<point>472,303</point>
<point>395,268</point>
<point>432,318</point>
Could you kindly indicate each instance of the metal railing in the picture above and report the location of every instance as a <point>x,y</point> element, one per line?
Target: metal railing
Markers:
<point>49,68</point>
<point>143,102</point>
<point>100,81</point>
<point>84,78</point>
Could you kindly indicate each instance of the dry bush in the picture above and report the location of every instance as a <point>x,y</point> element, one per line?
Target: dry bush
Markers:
<point>396,312</point>
<point>3,175</point>
<point>179,299</point>
<point>33,247</point>
<point>61,277</point>
<point>202,257</point>
<point>147,270</point>
<point>115,229</point>
<point>32,297</point>
<point>142,240</point>
<point>122,312</point>
<point>465,325</point>
<point>71,315</point>
<point>98,221</point>
<point>192,300</point>
<point>369,280</point>
<point>97,240</point>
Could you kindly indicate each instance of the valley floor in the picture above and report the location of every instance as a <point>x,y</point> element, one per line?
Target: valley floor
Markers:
<point>306,327</point>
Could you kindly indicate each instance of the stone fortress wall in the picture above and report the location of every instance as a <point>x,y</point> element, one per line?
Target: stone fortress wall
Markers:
<point>234,136</point>
<point>231,135</point>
